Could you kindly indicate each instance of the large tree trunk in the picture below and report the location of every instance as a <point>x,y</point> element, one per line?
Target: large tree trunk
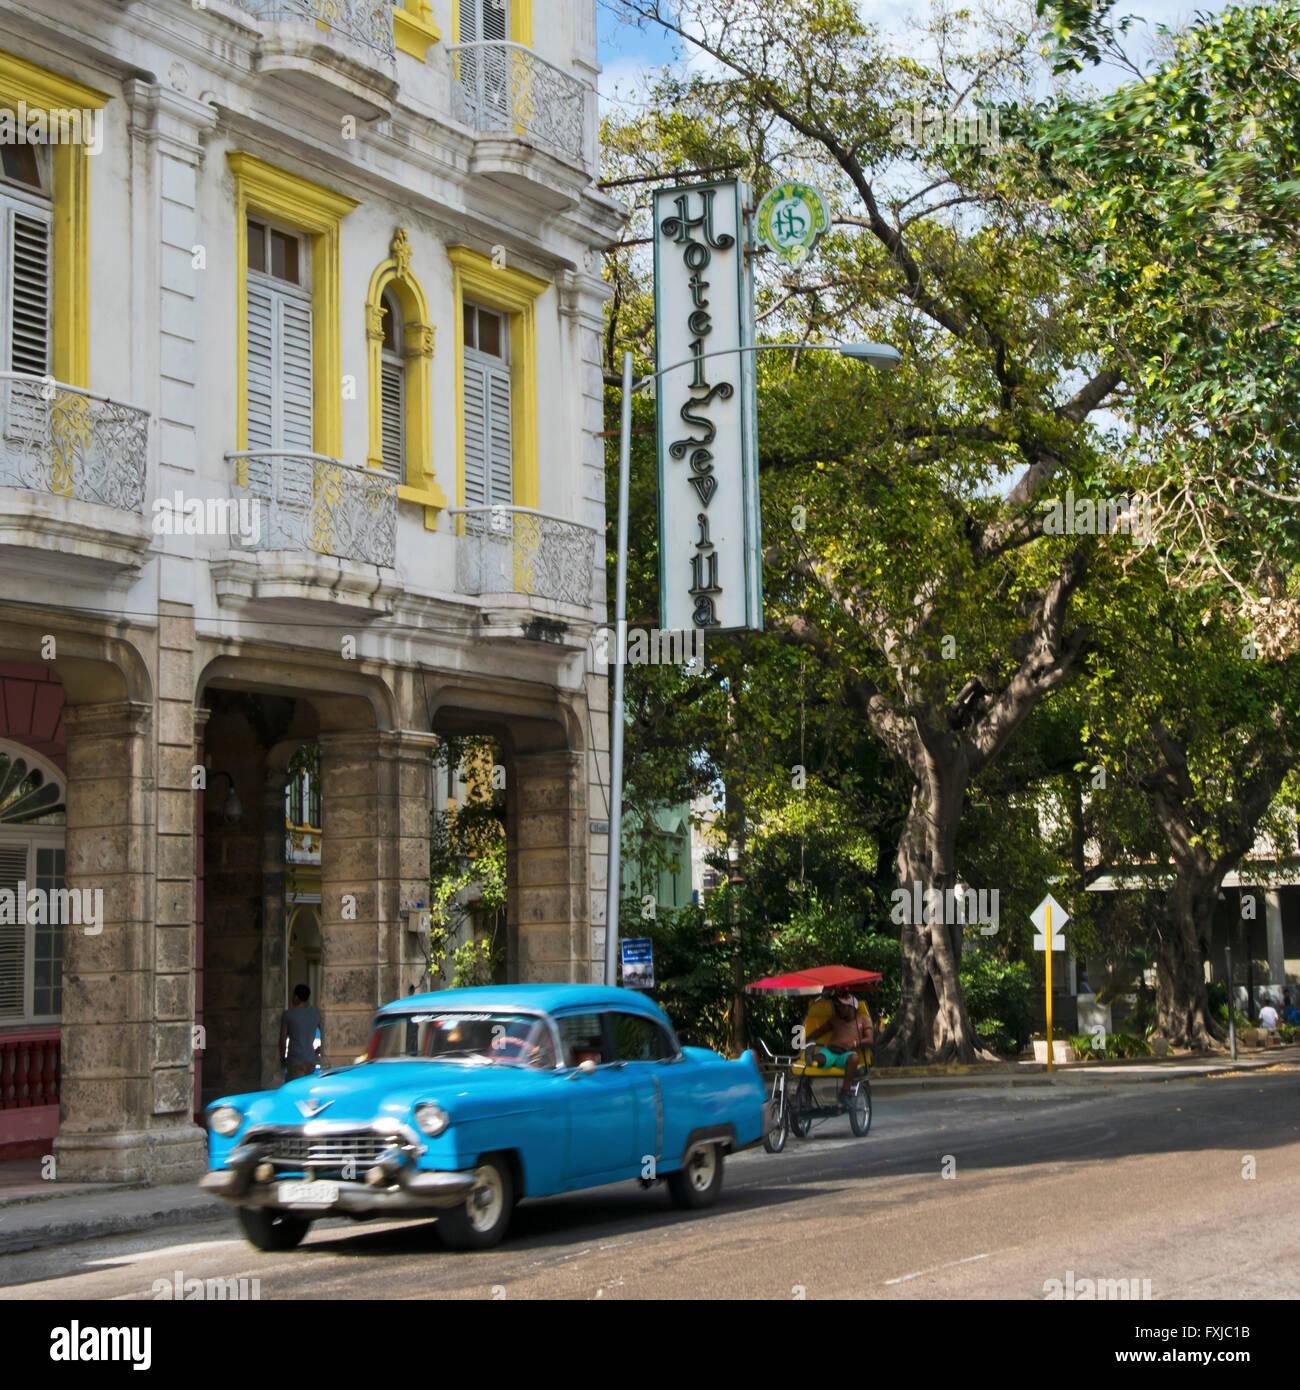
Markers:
<point>931,1023</point>
<point>1186,919</point>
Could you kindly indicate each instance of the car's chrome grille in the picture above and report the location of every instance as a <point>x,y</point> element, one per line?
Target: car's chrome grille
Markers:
<point>359,1147</point>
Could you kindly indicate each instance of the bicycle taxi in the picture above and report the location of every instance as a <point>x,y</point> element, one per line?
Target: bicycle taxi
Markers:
<point>806,1092</point>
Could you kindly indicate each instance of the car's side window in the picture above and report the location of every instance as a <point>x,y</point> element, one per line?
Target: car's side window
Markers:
<point>581,1038</point>
<point>636,1039</point>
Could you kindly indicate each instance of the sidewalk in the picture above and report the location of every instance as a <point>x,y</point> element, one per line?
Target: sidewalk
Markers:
<point>898,1080</point>
<point>35,1214</point>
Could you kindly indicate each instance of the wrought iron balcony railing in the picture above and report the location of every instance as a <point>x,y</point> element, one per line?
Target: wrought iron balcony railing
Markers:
<point>366,22</point>
<point>505,87</point>
<point>515,550</point>
<point>62,440</point>
<point>310,503</point>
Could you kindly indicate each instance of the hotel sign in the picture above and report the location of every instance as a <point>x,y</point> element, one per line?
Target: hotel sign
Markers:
<point>710,572</point>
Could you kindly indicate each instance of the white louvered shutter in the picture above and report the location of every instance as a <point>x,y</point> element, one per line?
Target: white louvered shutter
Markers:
<point>295,377</point>
<point>29,313</point>
<point>392,410</point>
<point>26,292</point>
<point>261,367</point>
<point>484,19</point>
<point>279,369</point>
<point>500,472</point>
<point>13,939</point>
<point>485,72</point>
<point>476,433</point>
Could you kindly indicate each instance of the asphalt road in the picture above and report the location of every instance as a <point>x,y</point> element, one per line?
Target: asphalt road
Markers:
<point>1142,1182</point>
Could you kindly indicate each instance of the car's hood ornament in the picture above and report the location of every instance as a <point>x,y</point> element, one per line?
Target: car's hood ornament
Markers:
<point>309,1108</point>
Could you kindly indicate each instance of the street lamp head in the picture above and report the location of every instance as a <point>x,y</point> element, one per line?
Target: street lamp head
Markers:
<point>878,355</point>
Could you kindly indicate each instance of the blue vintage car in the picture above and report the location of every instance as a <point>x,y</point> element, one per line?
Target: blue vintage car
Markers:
<point>468,1100</point>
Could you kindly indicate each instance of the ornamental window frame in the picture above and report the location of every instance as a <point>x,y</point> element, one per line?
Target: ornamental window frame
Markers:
<point>275,195</point>
<point>69,190</point>
<point>514,293</point>
<point>394,276</point>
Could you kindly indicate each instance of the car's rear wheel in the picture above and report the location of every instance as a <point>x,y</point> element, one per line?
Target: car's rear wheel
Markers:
<point>269,1228</point>
<point>482,1220</point>
<point>699,1181</point>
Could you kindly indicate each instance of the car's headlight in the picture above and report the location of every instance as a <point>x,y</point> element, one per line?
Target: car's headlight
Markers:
<point>225,1120</point>
<point>431,1119</point>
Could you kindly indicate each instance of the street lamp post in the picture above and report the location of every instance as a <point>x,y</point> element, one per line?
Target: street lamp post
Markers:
<point>879,355</point>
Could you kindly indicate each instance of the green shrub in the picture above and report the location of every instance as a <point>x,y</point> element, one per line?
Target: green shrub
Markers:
<point>1288,1032</point>
<point>1122,1045</point>
<point>1084,1046</point>
<point>997,1000</point>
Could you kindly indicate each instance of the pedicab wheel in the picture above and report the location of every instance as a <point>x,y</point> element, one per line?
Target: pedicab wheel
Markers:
<point>860,1108</point>
<point>699,1181</point>
<point>774,1139</point>
<point>482,1220</point>
<point>269,1228</point>
<point>800,1116</point>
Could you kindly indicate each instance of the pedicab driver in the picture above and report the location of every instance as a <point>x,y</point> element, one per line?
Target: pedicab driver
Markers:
<point>848,1030</point>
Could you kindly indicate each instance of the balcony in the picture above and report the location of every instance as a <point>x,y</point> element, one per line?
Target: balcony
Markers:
<point>530,117</point>
<point>323,533</point>
<point>340,52</point>
<point>77,462</point>
<point>537,567</point>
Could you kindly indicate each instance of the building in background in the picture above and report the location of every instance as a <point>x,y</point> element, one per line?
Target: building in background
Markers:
<point>298,412</point>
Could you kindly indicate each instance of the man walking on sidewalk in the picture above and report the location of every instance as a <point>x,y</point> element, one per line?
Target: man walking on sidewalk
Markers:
<point>298,1028</point>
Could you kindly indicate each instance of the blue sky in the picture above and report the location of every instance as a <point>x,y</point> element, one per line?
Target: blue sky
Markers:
<point>626,51</point>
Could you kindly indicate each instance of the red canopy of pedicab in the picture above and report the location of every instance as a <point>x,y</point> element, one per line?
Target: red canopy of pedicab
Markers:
<point>807,982</point>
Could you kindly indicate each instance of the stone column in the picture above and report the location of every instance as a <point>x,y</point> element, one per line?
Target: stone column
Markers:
<point>374,866</point>
<point>547,818</point>
<point>274,923</point>
<point>127,1079</point>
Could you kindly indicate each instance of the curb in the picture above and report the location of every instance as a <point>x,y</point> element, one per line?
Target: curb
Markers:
<point>72,1229</point>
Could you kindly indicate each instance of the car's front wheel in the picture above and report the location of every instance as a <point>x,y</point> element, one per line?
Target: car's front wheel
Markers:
<point>698,1183</point>
<point>269,1228</point>
<point>483,1219</point>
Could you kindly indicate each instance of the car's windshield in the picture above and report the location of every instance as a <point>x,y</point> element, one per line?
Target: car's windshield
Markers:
<point>471,1038</point>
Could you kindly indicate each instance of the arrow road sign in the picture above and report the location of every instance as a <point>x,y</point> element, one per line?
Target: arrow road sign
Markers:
<point>1049,910</point>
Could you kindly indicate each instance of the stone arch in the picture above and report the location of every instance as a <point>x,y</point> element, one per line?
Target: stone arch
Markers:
<point>547,901</point>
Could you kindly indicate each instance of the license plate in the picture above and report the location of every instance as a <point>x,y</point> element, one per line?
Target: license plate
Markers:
<point>309,1194</point>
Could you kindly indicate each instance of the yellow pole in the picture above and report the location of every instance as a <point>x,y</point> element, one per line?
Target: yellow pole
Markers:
<point>1048,955</point>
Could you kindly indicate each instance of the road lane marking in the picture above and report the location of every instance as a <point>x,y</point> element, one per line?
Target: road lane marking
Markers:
<point>952,1264</point>
<point>139,1256</point>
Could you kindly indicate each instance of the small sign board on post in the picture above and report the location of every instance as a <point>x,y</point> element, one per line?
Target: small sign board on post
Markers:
<point>1049,917</point>
<point>638,963</point>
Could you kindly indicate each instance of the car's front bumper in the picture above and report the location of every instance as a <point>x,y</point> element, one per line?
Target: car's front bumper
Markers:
<point>413,1190</point>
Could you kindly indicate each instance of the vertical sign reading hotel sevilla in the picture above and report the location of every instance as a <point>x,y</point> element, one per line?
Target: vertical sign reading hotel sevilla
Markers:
<point>710,573</point>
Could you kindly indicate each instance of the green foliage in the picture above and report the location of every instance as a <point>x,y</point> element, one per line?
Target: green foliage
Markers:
<point>997,998</point>
<point>693,975</point>
<point>1123,1045</point>
<point>467,871</point>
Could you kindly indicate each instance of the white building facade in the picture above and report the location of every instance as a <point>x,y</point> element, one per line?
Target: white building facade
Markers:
<point>300,311</point>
